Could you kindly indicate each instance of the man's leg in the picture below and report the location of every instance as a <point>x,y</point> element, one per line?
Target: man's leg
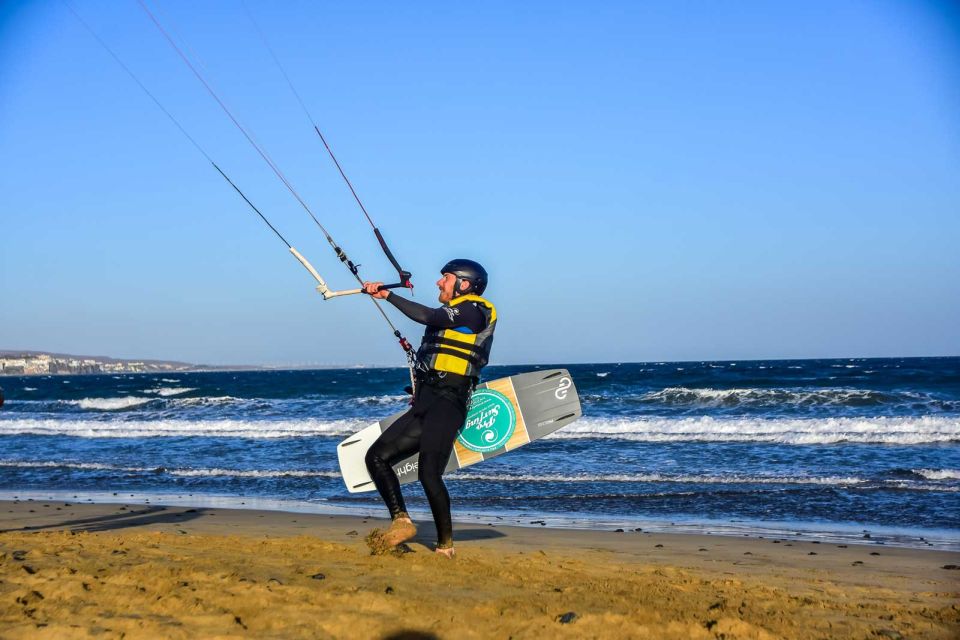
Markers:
<point>400,440</point>
<point>442,421</point>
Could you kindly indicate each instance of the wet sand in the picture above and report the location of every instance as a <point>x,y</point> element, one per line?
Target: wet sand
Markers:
<point>144,571</point>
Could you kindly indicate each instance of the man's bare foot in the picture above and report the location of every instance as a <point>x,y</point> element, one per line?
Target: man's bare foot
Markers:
<point>447,552</point>
<point>401,530</point>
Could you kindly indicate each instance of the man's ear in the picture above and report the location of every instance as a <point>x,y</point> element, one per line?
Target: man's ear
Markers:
<point>464,285</point>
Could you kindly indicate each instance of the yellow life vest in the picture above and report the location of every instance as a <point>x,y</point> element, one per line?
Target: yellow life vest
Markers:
<point>453,351</point>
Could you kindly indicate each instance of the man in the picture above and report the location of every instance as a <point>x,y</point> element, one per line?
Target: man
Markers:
<point>455,347</point>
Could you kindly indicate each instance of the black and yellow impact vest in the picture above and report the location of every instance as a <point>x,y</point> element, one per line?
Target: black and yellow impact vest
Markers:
<point>453,351</point>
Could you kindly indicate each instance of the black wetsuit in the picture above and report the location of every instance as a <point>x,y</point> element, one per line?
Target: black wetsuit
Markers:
<point>432,423</point>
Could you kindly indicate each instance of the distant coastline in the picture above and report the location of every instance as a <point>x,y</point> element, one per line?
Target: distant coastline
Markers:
<point>39,363</point>
<point>23,362</point>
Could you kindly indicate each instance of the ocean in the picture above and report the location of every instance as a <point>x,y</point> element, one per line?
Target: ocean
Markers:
<point>862,450</point>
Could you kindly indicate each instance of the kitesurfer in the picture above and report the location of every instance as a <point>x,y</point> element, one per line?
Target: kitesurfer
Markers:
<point>455,348</point>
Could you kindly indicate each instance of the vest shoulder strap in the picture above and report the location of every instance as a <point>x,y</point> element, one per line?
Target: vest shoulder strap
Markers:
<point>470,297</point>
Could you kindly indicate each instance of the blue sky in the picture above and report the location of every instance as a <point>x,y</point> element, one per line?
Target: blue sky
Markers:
<point>644,181</point>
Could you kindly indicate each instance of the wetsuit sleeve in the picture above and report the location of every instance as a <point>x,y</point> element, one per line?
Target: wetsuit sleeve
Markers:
<point>462,315</point>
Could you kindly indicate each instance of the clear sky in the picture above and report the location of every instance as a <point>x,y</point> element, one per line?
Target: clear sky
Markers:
<point>643,180</point>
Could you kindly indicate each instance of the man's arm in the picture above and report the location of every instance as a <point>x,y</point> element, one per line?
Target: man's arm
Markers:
<point>462,315</point>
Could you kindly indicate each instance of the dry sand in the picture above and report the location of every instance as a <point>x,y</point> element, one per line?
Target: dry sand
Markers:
<point>136,571</point>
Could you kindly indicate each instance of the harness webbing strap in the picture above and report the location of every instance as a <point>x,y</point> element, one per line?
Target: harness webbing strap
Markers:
<point>433,340</point>
<point>430,350</point>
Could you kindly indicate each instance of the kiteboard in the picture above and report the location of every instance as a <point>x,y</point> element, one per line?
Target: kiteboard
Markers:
<point>503,415</point>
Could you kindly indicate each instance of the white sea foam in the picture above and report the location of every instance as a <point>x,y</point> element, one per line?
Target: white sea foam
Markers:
<point>385,399</point>
<point>169,391</point>
<point>709,397</point>
<point>905,430</point>
<point>212,401</point>
<point>181,428</point>
<point>168,380</point>
<point>29,388</point>
<point>938,474</point>
<point>658,477</point>
<point>109,404</point>
<point>86,466</point>
<point>898,430</point>
<point>469,476</point>
<point>236,473</point>
<point>26,464</point>
<point>603,374</point>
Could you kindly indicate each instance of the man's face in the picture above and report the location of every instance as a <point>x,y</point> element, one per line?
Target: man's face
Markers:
<point>446,284</point>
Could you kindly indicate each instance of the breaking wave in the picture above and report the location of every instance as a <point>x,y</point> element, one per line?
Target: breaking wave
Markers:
<point>781,397</point>
<point>468,476</point>
<point>236,473</point>
<point>381,400</point>
<point>938,474</point>
<point>907,430</point>
<point>891,430</point>
<point>109,404</point>
<point>69,465</point>
<point>658,477</point>
<point>169,391</point>
<point>180,428</point>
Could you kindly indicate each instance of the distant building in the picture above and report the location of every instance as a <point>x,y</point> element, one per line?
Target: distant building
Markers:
<point>45,364</point>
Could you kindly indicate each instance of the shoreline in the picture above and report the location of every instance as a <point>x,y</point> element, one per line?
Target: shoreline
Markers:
<point>826,532</point>
<point>70,570</point>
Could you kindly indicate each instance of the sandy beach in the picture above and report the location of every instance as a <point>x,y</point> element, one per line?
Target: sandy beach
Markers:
<point>145,571</point>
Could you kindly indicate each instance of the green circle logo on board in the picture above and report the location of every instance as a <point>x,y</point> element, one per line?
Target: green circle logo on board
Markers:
<point>490,421</point>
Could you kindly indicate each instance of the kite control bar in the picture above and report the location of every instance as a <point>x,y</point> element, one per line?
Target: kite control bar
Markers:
<point>325,291</point>
<point>322,287</point>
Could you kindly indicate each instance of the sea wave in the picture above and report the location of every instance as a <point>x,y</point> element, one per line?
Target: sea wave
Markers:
<point>658,477</point>
<point>108,404</point>
<point>381,400</point>
<point>853,482</point>
<point>171,403</point>
<point>236,473</point>
<point>210,401</point>
<point>180,428</point>
<point>29,464</point>
<point>781,397</point>
<point>938,474</point>
<point>169,391</point>
<point>907,430</point>
<point>256,473</point>
<point>809,431</point>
